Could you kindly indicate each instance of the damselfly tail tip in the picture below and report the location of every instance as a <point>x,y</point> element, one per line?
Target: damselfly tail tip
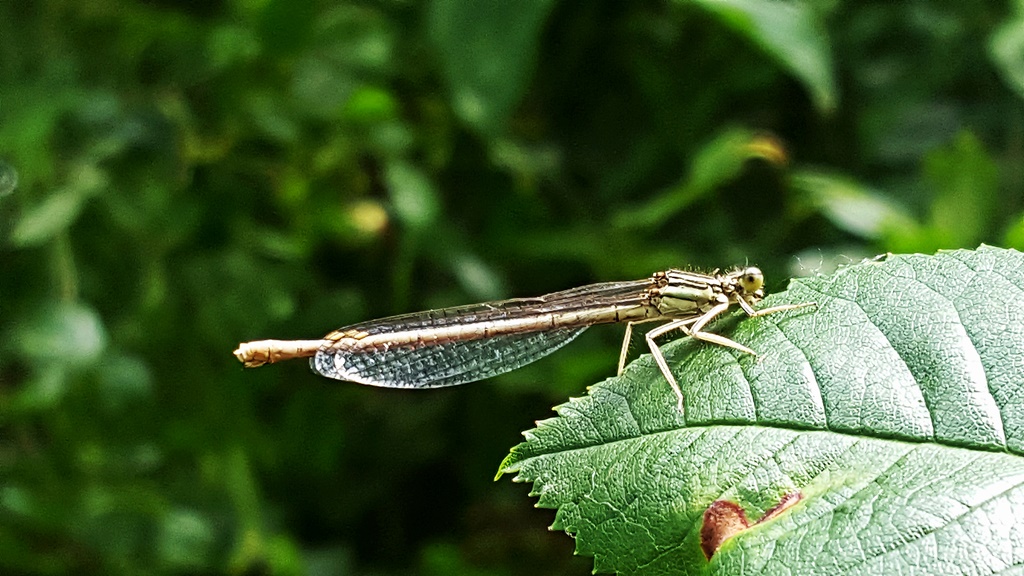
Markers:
<point>250,355</point>
<point>254,354</point>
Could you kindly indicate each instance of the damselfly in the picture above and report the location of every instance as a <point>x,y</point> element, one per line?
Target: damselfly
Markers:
<point>468,343</point>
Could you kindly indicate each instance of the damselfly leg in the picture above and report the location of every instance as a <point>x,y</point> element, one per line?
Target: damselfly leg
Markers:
<point>694,327</point>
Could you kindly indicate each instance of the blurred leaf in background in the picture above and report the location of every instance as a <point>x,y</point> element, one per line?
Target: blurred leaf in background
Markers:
<point>487,52</point>
<point>180,176</point>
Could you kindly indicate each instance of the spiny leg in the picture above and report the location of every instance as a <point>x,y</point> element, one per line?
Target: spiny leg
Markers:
<point>694,327</point>
<point>627,340</point>
<point>659,358</point>
<point>766,311</point>
<point>625,348</point>
<point>696,330</point>
<point>690,327</point>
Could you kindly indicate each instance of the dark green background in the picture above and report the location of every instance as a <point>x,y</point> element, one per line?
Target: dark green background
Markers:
<point>180,176</point>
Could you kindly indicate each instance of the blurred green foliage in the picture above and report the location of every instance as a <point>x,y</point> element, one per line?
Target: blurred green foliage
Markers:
<point>178,176</point>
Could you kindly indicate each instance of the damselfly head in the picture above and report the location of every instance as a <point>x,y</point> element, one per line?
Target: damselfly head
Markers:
<point>748,281</point>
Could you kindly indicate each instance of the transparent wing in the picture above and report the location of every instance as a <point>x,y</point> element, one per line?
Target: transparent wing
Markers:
<point>440,364</point>
<point>422,359</point>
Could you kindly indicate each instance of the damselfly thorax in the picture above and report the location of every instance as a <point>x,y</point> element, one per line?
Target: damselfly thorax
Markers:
<point>463,344</point>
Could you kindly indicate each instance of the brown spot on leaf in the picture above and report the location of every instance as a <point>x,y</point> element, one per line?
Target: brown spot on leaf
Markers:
<point>784,504</point>
<point>724,519</point>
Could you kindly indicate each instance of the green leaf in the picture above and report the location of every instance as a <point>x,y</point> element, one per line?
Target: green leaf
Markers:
<point>186,540</point>
<point>967,181</point>
<point>8,179</point>
<point>370,104</point>
<point>878,433</point>
<point>1006,47</point>
<point>1014,237</point>
<point>716,163</point>
<point>791,33</point>
<point>48,218</point>
<point>851,205</point>
<point>413,196</point>
<point>487,50</point>
<point>66,334</point>
<point>58,211</point>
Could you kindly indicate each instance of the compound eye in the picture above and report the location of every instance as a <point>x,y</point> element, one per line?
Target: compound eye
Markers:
<point>751,280</point>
